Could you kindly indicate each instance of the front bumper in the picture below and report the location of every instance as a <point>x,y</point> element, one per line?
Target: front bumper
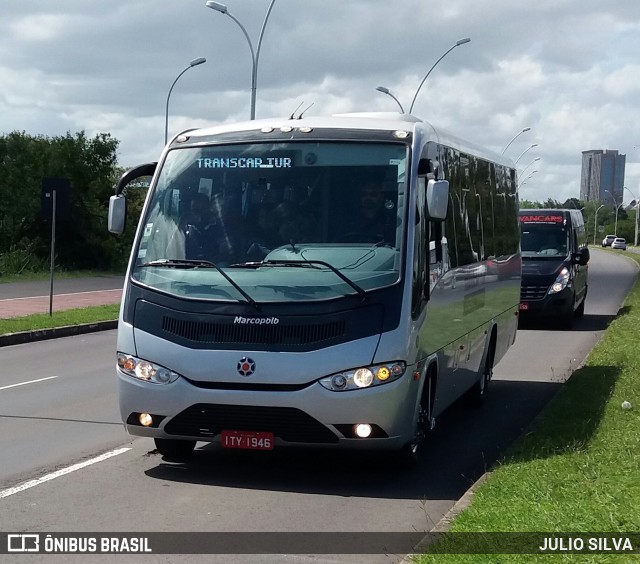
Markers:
<point>551,305</point>
<point>313,416</point>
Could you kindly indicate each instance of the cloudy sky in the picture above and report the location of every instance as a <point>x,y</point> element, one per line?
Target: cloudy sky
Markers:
<point>568,69</point>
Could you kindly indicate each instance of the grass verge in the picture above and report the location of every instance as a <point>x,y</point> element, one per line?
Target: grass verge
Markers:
<point>59,319</point>
<point>577,469</point>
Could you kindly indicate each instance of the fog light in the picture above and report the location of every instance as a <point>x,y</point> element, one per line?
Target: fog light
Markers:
<point>362,430</point>
<point>145,419</point>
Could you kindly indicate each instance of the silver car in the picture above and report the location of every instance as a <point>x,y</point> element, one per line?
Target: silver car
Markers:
<point>619,243</point>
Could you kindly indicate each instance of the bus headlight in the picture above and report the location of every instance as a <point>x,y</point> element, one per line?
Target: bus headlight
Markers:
<point>364,377</point>
<point>561,281</point>
<point>145,370</point>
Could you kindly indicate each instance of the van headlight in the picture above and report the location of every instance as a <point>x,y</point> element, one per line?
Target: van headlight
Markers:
<point>561,281</point>
<point>145,370</point>
<point>364,377</point>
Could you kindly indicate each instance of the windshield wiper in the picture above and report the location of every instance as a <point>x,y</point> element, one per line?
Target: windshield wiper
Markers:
<point>180,263</point>
<point>310,264</point>
<point>190,263</point>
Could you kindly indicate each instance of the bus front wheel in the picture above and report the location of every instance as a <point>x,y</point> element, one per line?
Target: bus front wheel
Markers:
<point>409,453</point>
<point>477,394</point>
<point>173,449</point>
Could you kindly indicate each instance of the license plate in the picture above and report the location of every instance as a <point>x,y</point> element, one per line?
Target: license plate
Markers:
<point>524,306</point>
<point>251,440</point>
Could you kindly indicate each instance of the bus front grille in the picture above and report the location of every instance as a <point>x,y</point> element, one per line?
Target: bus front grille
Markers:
<point>207,420</point>
<point>528,293</point>
<point>227,333</point>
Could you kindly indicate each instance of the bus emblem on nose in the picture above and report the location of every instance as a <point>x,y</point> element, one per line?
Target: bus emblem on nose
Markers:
<point>246,366</point>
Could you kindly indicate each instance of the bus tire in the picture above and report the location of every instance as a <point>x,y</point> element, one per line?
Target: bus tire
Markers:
<point>174,449</point>
<point>409,454</point>
<point>478,392</point>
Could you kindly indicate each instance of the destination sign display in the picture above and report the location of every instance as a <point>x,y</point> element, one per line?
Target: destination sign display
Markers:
<point>541,218</point>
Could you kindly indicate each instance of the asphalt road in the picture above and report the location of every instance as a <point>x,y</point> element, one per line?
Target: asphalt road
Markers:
<point>71,417</point>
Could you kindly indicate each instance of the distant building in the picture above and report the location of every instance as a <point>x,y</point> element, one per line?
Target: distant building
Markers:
<point>602,177</point>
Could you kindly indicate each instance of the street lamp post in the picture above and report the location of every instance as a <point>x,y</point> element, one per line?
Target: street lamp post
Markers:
<point>255,55</point>
<point>517,135</point>
<point>523,152</point>
<point>457,43</point>
<point>526,167</point>
<point>615,229</point>
<point>527,178</point>
<point>193,63</point>
<point>595,224</point>
<point>388,93</point>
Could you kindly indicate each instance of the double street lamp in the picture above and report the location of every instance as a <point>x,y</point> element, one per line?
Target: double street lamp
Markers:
<point>456,44</point>
<point>388,93</point>
<point>193,63</point>
<point>255,54</point>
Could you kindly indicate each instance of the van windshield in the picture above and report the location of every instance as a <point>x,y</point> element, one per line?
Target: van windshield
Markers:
<point>544,241</point>
<point>229,222</point>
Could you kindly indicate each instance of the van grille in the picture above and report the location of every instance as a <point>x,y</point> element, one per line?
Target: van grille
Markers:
<point>227,333</point>
<point>287,423</point>
<point>529,293</point>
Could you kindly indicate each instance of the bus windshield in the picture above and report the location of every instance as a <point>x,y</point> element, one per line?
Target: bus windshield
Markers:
<point>237,222</point>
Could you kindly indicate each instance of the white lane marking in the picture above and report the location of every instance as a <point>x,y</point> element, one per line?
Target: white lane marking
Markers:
<point>59,295</point>
<point>29,382</point>
<point>62,472</point>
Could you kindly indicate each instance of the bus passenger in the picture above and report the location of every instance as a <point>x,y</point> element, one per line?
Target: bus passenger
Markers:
<point>372,222</point>
<point>194,224</point>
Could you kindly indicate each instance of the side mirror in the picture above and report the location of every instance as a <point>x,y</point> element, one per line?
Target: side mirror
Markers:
<point>118,203</point>
<point>437,199</point>
<point>582,257</point>
<point>147,169</point>
<point>117,214</point>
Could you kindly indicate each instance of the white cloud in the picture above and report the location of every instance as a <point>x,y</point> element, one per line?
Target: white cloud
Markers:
<point>566,68</point>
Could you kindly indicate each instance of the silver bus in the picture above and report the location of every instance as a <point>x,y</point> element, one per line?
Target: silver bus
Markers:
<point>328,282</point>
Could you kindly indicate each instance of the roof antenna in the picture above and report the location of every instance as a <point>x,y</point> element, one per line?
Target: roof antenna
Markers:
<point>294,111</point>
<point>303,111</point>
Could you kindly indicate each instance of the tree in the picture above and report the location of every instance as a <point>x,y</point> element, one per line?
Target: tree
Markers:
<point>82,240</point>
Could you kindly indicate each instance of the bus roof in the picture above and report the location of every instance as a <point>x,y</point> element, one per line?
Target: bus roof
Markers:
<point>373,121</point>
